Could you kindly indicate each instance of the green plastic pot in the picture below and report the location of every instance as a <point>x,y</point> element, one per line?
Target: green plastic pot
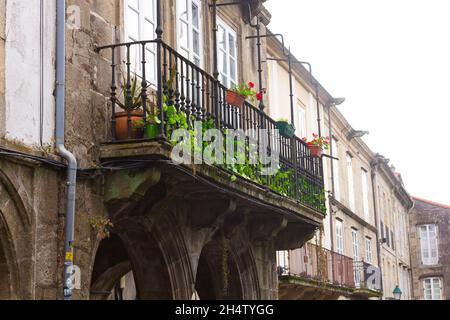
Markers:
<point>151,131</point>
<point>286,129</point>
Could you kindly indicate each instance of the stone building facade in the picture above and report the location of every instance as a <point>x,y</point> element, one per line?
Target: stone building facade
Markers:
<point>366,199</point>
<point>393,205</point>
<point>170,228</point>
<point>349,237</point>
<point>429,238</point>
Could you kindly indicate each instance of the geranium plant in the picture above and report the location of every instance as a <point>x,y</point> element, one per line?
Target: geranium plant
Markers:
<point>239,93</point>
<point>322,142</point>
<point>318,144</point>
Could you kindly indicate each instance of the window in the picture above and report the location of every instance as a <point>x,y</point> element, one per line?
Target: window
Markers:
<point>301,119</point>
<point>358,267</point>
<point>388,242</point>
<point>337,190</point>
<point>365,194</point>
<point>355,245</point>
<point>227,54</point>
<point>283,261</point>
<point>351,190</point>
<point>432,289</point>
<point>368,250</point>
<point>428,244</point>
<point>189,30</point>
<point>392,240</point>
<point>339,238</point>
<point>140,21</point>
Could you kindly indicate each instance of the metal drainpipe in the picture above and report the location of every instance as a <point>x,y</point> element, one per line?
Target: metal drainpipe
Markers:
<point>330,129</point>
<point>375,210</point>
<point>61,148</point>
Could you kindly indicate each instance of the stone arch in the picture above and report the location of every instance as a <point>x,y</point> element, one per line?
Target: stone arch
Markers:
<point>218,277</point>
<point>9,278</point>
<point>242,273</point>
<point>111,263</point>
<point>15,242</point>
<point>246,264</point>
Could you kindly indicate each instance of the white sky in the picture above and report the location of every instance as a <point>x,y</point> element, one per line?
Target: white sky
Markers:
<point>390,59</point>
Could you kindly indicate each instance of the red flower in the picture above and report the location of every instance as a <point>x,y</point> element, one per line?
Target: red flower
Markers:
<point>251,85</point>
<point>259,96</point>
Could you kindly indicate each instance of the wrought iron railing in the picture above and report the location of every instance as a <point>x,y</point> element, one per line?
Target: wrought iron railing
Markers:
<point>367,276</point>
<point>319,264</point>
<point>149,76</point>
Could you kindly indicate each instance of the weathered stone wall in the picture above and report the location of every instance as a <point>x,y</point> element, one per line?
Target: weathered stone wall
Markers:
<point>430,213</point>
<point>32,209</point>
<point>29,226</point>
<point>2,66</point>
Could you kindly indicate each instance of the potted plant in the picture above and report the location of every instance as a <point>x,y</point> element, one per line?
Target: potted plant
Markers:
<point>239,93</point>
<point>132,108</point>
<point>285,128</point>
<point>151,126</point>
<point>317,145</point>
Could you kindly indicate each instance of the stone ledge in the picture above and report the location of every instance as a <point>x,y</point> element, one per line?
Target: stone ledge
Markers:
<point>156,150</point>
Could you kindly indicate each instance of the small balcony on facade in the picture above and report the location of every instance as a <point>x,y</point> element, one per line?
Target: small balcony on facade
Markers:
<point>148,104</point>
<point>312,273</point>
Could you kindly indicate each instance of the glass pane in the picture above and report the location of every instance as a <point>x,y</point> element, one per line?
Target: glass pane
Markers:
<point>224,79</point>
<point>132,24</point>
<point>135,59</point>
<point>197,61</point>
<point>184,39</point>
<point>148,30</point>
<point>222,62</point>
<point>195,16</point>
<point>150,67</point>
<point>148,9</point>
<point>196,42</point>
<point>183,9</point>
<point>185,54</point>
<point>233,69</point>
<point>221,38</point>
<point>232,45</point>
<point>133,3</point>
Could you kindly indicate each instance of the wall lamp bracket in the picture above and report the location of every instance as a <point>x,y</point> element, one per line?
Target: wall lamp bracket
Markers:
<point>356,134</point>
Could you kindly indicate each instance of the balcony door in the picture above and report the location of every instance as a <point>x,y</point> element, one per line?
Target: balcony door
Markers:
<point>358,266</point>
<point>140,24</point>
<point>189,30</point>
<point>227,54</point>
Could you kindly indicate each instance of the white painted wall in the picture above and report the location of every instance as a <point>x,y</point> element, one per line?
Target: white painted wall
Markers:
<point>23,72</point>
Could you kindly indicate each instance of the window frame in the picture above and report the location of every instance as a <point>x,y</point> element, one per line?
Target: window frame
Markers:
<point>350,182</point>
<point>430,260</point>
<point>432,289</point>
<point>355,244</point>
<point>365,193</point>
<point>150,48</point>
<point>190,50</point>
<point>368,244</point>
<point>228,31</point>
<point>339,237</point>
<point>335,149</point>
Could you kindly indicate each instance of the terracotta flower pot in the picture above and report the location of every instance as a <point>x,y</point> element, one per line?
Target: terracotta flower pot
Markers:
<point>316,151</point>
<point>122,125</point>
<point>234,99</point>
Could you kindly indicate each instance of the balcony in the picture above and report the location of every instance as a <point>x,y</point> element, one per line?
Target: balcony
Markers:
<point>155,90</point>
<point>312,272</point>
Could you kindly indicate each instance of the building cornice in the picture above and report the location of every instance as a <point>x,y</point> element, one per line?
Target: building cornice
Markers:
<point>352,215</point>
